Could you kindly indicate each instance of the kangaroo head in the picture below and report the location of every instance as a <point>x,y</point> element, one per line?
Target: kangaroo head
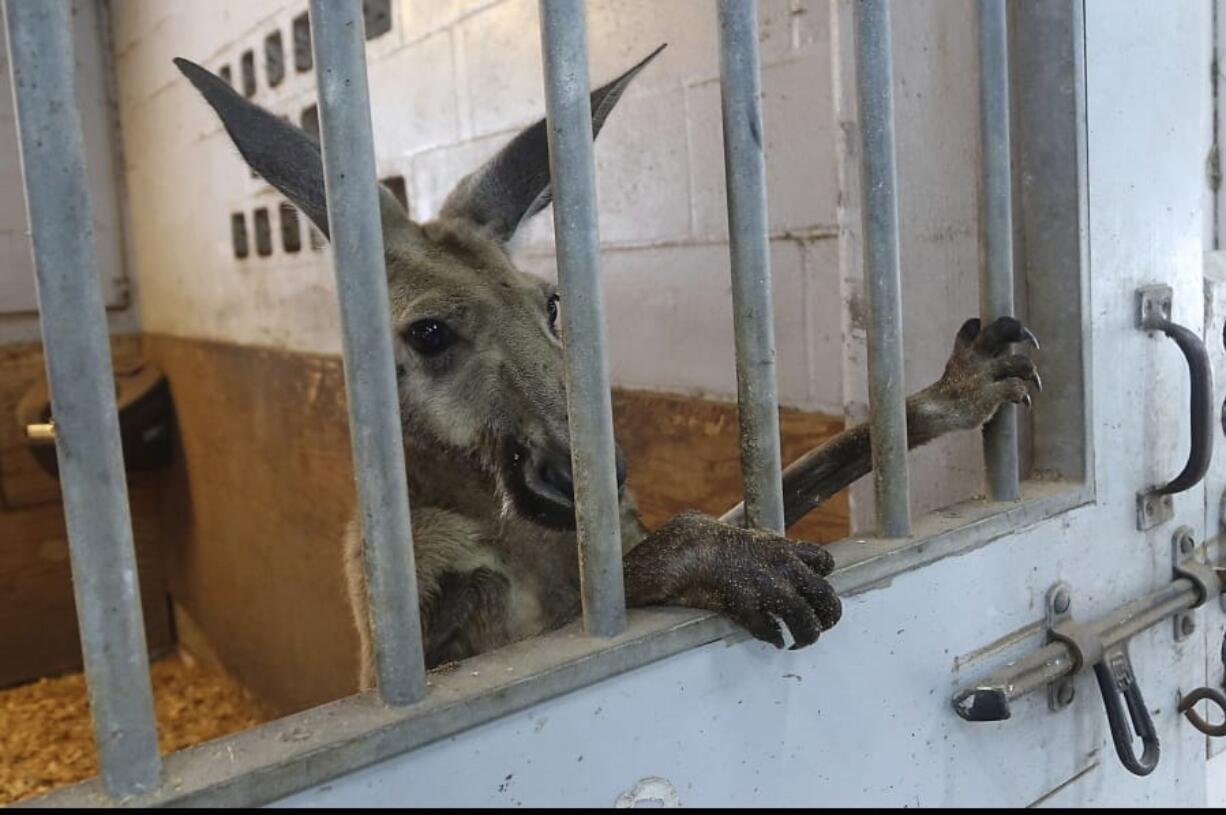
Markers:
<point>477,346</point>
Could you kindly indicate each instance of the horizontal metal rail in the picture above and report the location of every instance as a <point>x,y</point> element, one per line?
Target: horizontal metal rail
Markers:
<point>338,39</point>
<point>589,402</point>
<point>86,420</point>
<point>748,226</point>
<point>887,396</point>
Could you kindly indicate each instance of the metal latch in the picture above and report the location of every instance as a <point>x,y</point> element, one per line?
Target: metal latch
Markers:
<point>1103,644</point>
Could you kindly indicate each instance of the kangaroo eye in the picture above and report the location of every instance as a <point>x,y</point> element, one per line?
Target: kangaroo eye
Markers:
<point>554,301</point>
<point>429,337</point>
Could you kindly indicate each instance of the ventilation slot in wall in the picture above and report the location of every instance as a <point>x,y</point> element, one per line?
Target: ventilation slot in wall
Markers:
<point>226,75</point>
<point>304,59</point>
<point>274,59</point>
<point>317,239</point>
<point>238,235</point>
<point>247,64</point>
<point>263,233</point>
<point>378,14</point>
<point>291,233</point>
<point>310,121</point>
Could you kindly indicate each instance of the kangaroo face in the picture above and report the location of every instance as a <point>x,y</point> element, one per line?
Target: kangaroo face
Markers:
<point>477,342</point>
<point>479,364</point>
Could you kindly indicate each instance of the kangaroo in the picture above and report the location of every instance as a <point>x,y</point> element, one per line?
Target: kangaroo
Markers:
<point>479,365</point>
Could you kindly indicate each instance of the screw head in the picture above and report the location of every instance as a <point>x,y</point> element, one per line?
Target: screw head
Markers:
<point>1065,691</point>
<point>1061,602</point>
<point>1187,625</point>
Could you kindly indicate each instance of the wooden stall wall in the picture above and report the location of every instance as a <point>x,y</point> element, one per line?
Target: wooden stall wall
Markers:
<point>38,620</point>
<point>264,486</point>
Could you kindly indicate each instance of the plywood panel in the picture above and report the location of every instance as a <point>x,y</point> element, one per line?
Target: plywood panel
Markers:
<point>259,500</point>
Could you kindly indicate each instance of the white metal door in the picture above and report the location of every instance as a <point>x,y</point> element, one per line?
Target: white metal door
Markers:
<point>865,717</point>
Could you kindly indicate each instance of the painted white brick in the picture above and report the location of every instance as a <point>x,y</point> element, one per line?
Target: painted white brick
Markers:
<point>433,173</point>
<point>621,32</point>
<point>450,88</point>
<point>422,18</point>
<point>672,306</point>
<point>413,99</point>
<point>801,169</point>
<point>194,32</point>
<point>133,19</point>
<point>500,48</point>
<point>641,170</point>
<point>823,325</point>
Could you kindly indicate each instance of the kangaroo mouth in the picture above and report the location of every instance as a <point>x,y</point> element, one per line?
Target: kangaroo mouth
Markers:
<point>540,489</point>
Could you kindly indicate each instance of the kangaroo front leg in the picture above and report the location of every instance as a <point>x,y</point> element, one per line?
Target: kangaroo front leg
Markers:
<point>981,375</point>
<point>747,575</point>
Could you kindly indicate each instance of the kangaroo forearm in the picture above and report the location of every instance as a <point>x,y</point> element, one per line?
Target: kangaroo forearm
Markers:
<point>839,461</point>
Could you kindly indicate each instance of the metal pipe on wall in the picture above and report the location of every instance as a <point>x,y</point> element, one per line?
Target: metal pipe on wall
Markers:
<point>886,388</point>
<point>996,229</point>
<point>338,39</point>
<point>589,402</point>
<point>78,359</point>
<point>748,233</point>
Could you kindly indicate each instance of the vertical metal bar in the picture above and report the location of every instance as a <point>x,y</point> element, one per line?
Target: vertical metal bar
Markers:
<point>886,390</point>
<point>996,229</point>
<point>338,39</point>
<point>568,107</point>
<point>748,233</point>
<point>78,359</point>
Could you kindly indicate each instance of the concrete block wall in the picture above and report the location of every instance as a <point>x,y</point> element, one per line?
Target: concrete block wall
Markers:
<point>451,82</point>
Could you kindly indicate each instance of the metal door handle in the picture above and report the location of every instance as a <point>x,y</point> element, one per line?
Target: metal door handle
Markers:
<point>1156,316</point>
<point>1154,505</point>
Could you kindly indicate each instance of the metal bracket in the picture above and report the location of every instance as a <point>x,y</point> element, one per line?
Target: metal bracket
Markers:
<point>1184,564</point>
<point>1153,510</point>
<point>1060,693</point>
<point>1153,306</point>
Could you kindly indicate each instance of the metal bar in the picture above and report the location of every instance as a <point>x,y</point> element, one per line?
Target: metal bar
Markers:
<point>752,314</point>
<point>887,396</point>
<point>995,692</point>
<point>573,174</point>
<point>338,39</point>
<point>78,360</point>
<point>996,229</point>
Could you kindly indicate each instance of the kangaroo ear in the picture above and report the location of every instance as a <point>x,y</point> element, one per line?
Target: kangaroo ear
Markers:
<point>284,155</point>
<point>514,185</point>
